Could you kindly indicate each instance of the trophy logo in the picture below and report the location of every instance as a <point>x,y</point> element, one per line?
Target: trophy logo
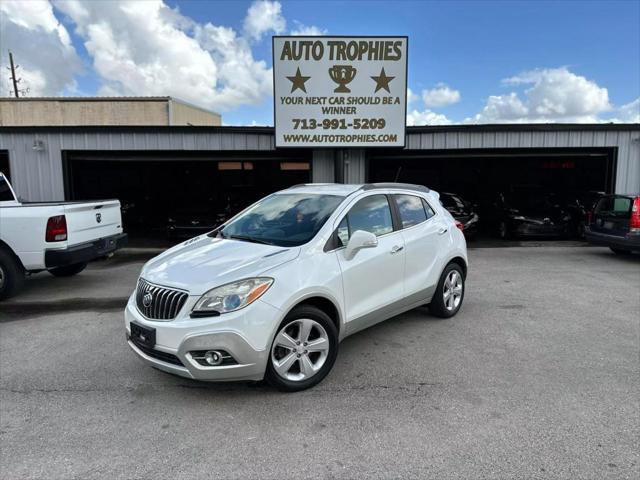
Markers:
<point>342,74</point>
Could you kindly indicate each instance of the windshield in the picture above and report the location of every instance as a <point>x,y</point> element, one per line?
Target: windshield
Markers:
<point>285,219</point>
<point>451,202</point>
<point>532,200</point>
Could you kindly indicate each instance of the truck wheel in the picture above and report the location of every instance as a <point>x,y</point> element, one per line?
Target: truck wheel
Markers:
<point>11,275</point>
<point>68,270</point>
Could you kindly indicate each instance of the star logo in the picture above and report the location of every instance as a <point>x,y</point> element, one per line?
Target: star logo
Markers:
<point>297,81</point>
<point>382,81</point>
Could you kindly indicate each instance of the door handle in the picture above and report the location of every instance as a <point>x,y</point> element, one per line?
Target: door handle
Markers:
<point>396,248</point>
<point>442,231</point>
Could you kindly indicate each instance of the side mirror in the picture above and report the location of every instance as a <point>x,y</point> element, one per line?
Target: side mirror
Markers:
<point>359,240</point>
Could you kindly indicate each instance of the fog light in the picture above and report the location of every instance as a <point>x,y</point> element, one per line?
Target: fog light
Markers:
<point>213,357</point>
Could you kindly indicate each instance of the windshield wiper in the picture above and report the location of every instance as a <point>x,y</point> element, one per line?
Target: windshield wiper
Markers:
<point>246,238</point>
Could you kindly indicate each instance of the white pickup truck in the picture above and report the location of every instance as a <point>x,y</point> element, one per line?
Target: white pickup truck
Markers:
<point>60,237</point>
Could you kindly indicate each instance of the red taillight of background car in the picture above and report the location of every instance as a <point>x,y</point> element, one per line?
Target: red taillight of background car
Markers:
<point>589,217</point>
<point>459,226</point>
<point>56,229</point>
<point>634,221</point>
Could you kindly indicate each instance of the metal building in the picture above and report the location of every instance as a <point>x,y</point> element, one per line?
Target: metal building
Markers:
<point>72,111</point>
<point>159,165</point>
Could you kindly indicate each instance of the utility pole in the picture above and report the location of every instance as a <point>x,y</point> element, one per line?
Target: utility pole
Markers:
<point>13,75</point>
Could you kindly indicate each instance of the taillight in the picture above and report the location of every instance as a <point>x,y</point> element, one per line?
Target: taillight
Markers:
<point>634,221</point>
<point>56,229</point>
<point>589,217</point>
<point>459,225</point>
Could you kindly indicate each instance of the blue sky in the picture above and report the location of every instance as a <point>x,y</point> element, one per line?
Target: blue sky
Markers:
<point>476,61</point>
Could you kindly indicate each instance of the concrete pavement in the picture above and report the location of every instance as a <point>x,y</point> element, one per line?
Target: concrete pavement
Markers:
<point>536,377</point>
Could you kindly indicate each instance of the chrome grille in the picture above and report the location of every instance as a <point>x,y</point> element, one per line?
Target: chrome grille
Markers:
<point>165,302</point>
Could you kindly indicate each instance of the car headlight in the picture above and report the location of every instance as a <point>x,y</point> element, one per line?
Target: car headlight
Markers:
<point>519,217</point>
<point>232,296</point>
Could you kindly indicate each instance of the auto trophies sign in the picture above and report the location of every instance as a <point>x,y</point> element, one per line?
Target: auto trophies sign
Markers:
<point>340,91</point>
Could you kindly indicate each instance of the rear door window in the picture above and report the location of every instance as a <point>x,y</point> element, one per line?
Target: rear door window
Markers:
<point>428,209</point>
<point>411,210</point>
<point>5,191</point>
<point>614,206</point>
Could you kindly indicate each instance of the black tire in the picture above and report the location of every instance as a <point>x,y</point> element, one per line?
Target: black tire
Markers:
<point>620,251</point>
<point>438,306</point>
<point>11,275</point>
<point>304,312</point>
<point>68,270</point>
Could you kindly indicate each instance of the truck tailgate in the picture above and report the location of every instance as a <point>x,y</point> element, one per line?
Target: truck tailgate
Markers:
<point>89,221</point>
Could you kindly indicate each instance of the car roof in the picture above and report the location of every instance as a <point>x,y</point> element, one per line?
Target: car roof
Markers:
<point>341,189</point>
<point>632,195</point>
<point>345,189</point>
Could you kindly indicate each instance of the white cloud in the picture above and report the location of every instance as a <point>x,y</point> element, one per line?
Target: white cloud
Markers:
<point>411,97</point>
<point>555,95</point>
<point>40,44</point>
<point>264,16</point>
<point>426,117</point>
<point>440,96</point>
<point>628,113</point>
<point>147,48</point>
<point>308,30</point>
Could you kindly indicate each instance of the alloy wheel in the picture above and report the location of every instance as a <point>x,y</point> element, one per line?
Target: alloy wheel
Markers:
<point>300,349</point>
<point>452,290</point>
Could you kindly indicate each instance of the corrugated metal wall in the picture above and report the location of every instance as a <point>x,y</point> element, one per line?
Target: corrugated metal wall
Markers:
<point>37,174</point>
<point>323,167</point>
<point>627,142</point>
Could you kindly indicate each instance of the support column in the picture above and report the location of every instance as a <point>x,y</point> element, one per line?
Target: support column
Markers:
<point>323,166</point>
<point>351,166</point>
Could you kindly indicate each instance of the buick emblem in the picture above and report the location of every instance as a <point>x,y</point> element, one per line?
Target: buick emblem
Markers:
<point>98,217</point>
<point>147,300</point>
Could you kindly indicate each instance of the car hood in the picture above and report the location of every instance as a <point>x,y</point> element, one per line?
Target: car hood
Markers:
<point>202,263</point>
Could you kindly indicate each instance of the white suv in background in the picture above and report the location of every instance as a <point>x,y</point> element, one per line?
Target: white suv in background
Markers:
<point>272,292</point>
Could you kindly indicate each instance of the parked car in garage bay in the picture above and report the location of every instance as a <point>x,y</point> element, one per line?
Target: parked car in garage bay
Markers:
<point>579,205</point>
<point>529,211</point>
<point>191,222</point>
<point>60,237</point>
<point>463,211</point>
<point>615,223</point>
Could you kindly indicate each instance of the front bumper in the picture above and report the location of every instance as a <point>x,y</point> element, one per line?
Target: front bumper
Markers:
<point>84,252</point>
<point>246,335</point>
<point>631,241</point>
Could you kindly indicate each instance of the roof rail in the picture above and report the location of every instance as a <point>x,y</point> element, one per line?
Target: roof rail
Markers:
<point>300,185</point>
<point>404,186</point>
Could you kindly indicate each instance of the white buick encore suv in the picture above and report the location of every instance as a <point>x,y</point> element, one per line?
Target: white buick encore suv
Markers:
<point>272,292</point>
